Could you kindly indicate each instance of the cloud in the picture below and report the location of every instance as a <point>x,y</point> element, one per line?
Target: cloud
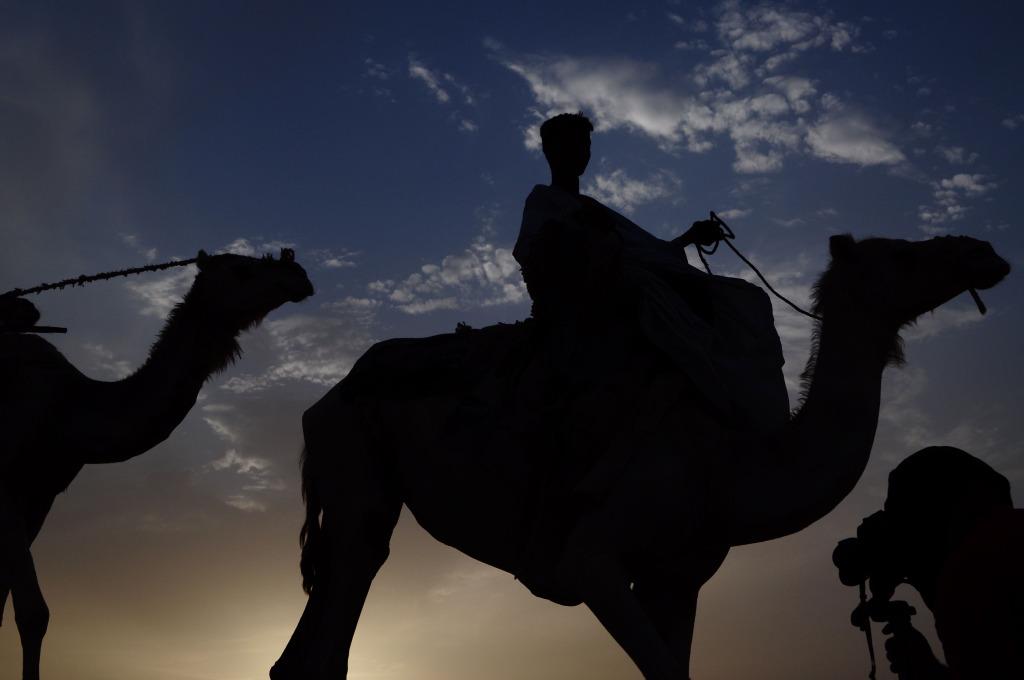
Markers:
<point>133,242</point>
<point>314,349</point>
<point>376,70</point>
<point>105,360</point>
<point>221,429</point>
<point>254,247</point>
<point>483,275</point>
<point>159,293</point>
<point>734,213</point>
<point>420,72</point>
<point>766,27</point>
<point>956,155</point>
<point>950,194</point>
<point>617,92</point>
<point>1013,122</point>
<point>626,193</point>
<point>329,259</point>
<point>765,116</point>
<point>849,137</point>
<point>243,465</point>
<point>797,90</point>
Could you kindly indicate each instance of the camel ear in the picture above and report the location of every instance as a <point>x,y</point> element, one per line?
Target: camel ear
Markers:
<point>201,259</point>
<point>841,246</point>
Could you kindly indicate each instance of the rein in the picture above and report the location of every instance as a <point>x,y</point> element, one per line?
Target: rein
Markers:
<point>726,237</point>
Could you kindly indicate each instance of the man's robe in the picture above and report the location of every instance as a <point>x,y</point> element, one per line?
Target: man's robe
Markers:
<point>730,351</point>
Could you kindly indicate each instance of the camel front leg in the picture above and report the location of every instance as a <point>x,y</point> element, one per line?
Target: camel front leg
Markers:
<point>605,589</point>
<point>31,615</point>
<point>672,608</point>
<point>604,586</point>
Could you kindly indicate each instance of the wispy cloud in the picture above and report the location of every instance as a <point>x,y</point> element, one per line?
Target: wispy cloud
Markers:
<point>160,292</point>
<point>736,94</point>
<point>1013,122</point>
<point>626,193</point>
<point>106,361</point>
<point>950,195</point>
<point>314,349</point>
<point>420,72</point>
<point>844,136</point>
<point>956,155</point>
<point>331,259</point>
<point>483,275</point>
<point>135,243</point>
<point>441,85</point>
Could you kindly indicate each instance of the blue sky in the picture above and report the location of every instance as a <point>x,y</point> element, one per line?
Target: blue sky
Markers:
<point>392,145</point>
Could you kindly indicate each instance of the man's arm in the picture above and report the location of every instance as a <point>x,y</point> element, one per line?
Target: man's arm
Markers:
<point>702,233</point>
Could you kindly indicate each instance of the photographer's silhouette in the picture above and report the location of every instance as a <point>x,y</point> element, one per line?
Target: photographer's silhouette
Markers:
<point>948,529</point>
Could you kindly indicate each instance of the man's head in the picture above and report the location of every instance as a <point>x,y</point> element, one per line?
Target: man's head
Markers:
<point>935,497</point>
<point>565,140</point>
<point>945,480</point>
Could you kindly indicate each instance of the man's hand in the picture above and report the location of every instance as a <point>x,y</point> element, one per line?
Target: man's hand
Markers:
<point>702,233</point>
<point>909,655</point>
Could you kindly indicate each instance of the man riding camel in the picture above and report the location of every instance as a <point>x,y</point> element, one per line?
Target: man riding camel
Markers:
<point>623,322</point>
<point>717,331</point>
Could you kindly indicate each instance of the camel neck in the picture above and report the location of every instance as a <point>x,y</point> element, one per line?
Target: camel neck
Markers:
<point>150,403</point>
<point>800,476</point>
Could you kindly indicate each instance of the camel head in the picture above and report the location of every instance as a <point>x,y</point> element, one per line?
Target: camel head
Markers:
<point>901,280</point>
<point>242,290</point>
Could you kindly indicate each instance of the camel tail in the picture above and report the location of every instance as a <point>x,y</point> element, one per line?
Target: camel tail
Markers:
<point>311,534</point>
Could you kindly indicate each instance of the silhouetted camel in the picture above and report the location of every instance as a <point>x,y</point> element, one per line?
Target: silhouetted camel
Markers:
<point>54,420</point>
<point>695,488</point>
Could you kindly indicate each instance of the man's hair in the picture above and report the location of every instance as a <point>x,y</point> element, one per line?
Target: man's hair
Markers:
<point>563,125</point>
<point>944,479</point>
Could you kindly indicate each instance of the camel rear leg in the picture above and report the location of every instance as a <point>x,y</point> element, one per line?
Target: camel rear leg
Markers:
<point>349,543</point>
<point>357,545</point>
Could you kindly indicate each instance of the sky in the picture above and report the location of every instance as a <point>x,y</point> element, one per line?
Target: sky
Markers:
<point>392,145</point>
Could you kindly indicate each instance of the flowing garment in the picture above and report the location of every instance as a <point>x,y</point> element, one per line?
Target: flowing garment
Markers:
<point>729,349</point>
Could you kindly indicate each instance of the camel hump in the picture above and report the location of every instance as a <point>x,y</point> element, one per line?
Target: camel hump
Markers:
<point>17,314</point>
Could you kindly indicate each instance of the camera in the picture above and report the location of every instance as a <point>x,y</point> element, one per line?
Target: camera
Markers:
<point>871,557</point>
<point>871,561</point>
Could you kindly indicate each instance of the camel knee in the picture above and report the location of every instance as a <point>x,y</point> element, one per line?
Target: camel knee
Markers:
<point>32,617</point>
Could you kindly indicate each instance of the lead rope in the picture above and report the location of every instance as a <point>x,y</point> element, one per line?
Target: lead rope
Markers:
<point>727,236</point>
<point>866,624</point>
<point>81,281</point>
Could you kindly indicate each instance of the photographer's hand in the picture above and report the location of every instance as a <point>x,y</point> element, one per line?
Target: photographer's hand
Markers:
<point>910,656</point>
